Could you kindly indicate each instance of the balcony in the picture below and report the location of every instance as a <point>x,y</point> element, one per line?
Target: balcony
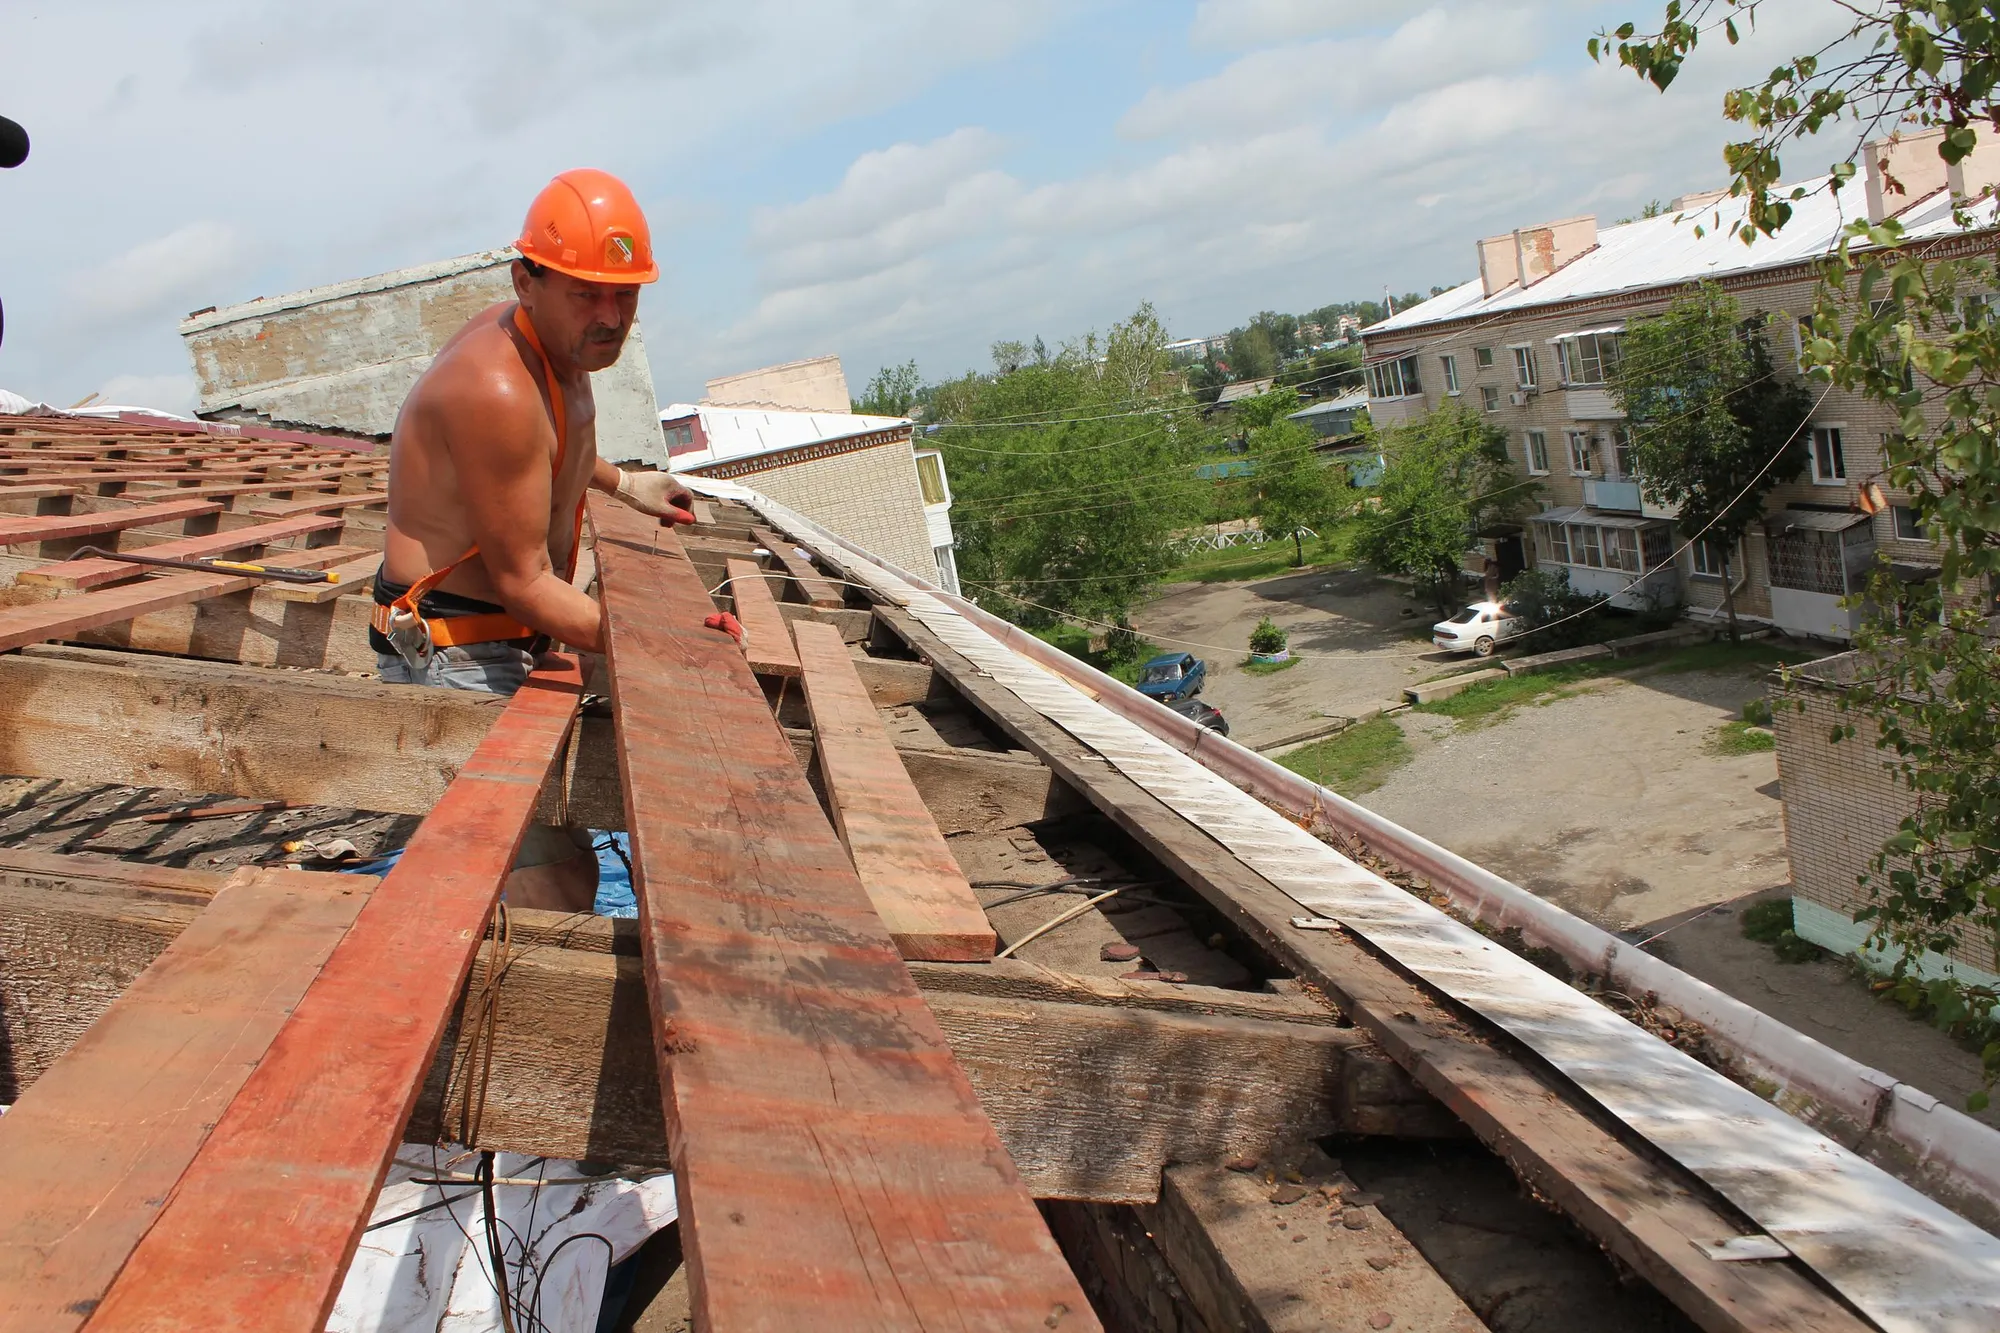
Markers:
<point>1590,404</point>
<point>1620,497</point>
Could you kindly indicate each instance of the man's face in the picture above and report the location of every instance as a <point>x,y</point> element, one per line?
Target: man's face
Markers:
<point>585,323</point>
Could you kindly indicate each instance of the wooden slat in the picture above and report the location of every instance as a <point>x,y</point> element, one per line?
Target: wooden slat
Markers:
<point>834,1167</point>
<point>53,527</point>
<point>355,576</point>
<point>1648,1214</point>
<point>93,1149</point>
<point>911,876</point>
<point>816,590</point>
<point>266,1218</point>
<point>767,643</point>
<point>35,492</point>
<point>91,573</point>
<point>318,504</point>
<point>64,617</point>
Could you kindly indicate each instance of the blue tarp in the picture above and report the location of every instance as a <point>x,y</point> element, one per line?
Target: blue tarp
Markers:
<point>614,881</point>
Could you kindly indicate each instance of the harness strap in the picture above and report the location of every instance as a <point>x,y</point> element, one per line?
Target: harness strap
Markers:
<point>452,631</point>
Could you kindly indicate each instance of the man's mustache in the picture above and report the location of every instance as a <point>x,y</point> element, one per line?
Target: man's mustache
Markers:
<point>599,333</point>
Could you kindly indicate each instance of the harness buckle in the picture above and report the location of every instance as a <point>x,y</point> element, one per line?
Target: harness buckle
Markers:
<point>410,635</point>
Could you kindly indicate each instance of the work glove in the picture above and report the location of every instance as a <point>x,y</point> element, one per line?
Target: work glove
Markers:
<point>727,623</point>
<point>658,494</point>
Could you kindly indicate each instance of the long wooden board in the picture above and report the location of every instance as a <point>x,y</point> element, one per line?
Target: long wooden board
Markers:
<point>53,527</point>
<point>93,572</point>
<point>813,587</point>
<point>266,1218</point>
<point>911,877</point>
<point>1649,1215</point>
<point>318,504</point>
<point>834,1167</point>
<point>766,641</point>
<point>93,1149</point>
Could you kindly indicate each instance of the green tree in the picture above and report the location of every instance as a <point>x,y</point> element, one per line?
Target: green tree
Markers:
<point>1926,674</point>
<point>1071,473</point>
<point>893,392</point>
<point>1447,478</point>
<point>1252,354</point>
<point>1295,491</point>
<point>1713,430</point>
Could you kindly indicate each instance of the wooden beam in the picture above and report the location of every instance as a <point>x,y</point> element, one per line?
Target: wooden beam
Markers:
<point>834,1166</point>
<point>814,588</point>
<point>767,642</point>
<point>263,1223</point>
<point>1094,1085</point>
<point>318,504</point>
<point>917,888</point>
<point>1648,1214</point>
<point>968,791</point>
<point>95,1147</point>
<point>55,527</point>
<point>80,574</point>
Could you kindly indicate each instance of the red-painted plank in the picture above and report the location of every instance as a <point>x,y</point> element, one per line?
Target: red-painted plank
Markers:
<point>767,642</point>
<point>318,503</point>
<point>911,876</point>
<point>265,1220</point>
<point>51,527</point>
<point>93,1148</point>
<point>39,622</point>
<point>835,1169</point>
<point>94,572</point>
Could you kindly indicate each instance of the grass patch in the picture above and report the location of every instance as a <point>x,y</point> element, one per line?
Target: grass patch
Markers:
<point>1734,738</point>
<point>1358,760</point>
<point>1491,700</point>
<point>1770,922</point>
<point>1123,666</point>
<point>1257,668</point>
<point>1240,564</point>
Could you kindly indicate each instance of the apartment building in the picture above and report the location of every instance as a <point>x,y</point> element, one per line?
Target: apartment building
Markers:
<point>1529,345</point>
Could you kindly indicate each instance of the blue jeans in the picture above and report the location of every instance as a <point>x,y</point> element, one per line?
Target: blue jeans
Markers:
<point>487,668</point>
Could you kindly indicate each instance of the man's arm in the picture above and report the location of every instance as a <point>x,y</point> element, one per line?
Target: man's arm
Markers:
<point>655,493</point>
<point>502,457</point>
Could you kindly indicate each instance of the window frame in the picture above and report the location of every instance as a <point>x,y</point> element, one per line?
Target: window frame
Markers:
<point>1482,358</point>
<point>1489,398</point>
<point>1570,438</point>
<point>1898,515</point>
<point>1705,558</point>
<point>1592,544</point>
<point>1557,537</point>
<point>1619,453</point>
<point>1406,382</point>
<point>1527,374</point>
<point>1450,364</point>
<point>1837,431</point>
<point>1570,362</point>
<point>936,459</point>
<point>1530,438</point>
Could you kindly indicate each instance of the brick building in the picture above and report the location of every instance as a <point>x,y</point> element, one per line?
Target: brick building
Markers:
<point>1527,345</point>
<point>1841,803</point>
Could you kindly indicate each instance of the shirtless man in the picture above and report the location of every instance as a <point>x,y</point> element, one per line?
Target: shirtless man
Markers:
<point>492,454</point>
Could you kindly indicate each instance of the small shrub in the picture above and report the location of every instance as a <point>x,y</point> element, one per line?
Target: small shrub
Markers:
<point>1770,922</point>
<point>1757,712</point>
<point>1267,638</point>
<point>1544,598</point>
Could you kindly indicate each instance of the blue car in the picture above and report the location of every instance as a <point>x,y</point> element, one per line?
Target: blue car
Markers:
<point>1171,677</point>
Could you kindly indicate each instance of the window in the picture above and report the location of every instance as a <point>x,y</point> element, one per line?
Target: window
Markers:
<point>1908,529</point>
<point>1394,379</point>
<point>1482,357</point>
<point>1621,549</point>
<point>1890,361</point>
<point>1538,451</point>
<point>1829,465</point>
<point>1621,453</point>
<point>1558,542</point>
<point>1656,544</point>
<point>1708,559</point>
<point>1579,452</point>
<point>1524,366</point>
<point>1587,358</point>
<point>1583,545</point>
<point>1450,374</point>
<point>930,477</point>
<point>680,437</point>
<point>1489,398</point>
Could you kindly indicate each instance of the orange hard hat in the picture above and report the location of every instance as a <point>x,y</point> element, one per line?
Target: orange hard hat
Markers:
<point>587,224</point>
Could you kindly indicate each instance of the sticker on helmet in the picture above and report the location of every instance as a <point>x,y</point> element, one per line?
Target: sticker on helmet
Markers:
<point>618,249</point>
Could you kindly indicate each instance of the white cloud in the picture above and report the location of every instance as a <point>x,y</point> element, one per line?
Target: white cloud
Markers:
<point>162,274</point>
<point>166,393</point>
<point>1235,24</point>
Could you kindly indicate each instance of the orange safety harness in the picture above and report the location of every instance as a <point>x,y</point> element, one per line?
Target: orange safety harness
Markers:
<point>402,621</point>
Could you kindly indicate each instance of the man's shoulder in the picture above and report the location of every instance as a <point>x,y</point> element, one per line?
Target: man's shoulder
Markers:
<point>480,378</point>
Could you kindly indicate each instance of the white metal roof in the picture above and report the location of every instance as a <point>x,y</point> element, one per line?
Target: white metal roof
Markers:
<point>1347,402</point>
<point>1654,252</point>
<point>742,432</point>
<point>1245,389</point>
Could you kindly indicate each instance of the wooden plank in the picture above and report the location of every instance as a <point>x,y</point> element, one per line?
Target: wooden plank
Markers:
<point>917,888</point>
<point>355,576</point>
<point>23,868</point>
<point>1648,1214</point>
<point>92,715</point>
<point>55,527</point>
<point>94,572</point>
<point>767,643</point>
<point>266,1218</point>
<point>92,1151</point>
<point>814,588</point>
<point>970,791</point>
<point>36,492</point>
<point>835,1169</point>
<point>318,504</point>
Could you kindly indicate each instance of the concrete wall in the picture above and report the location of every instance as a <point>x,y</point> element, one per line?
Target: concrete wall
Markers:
<point>815,385</point>
<point>343,357</point>
<point>869,496</point>
<point>1841,802</point>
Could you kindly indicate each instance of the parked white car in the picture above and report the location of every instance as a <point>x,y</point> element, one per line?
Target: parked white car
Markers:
<point>1479,628</point>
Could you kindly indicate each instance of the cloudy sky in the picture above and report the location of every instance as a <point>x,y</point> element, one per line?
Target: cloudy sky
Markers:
<point>882,179</point>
